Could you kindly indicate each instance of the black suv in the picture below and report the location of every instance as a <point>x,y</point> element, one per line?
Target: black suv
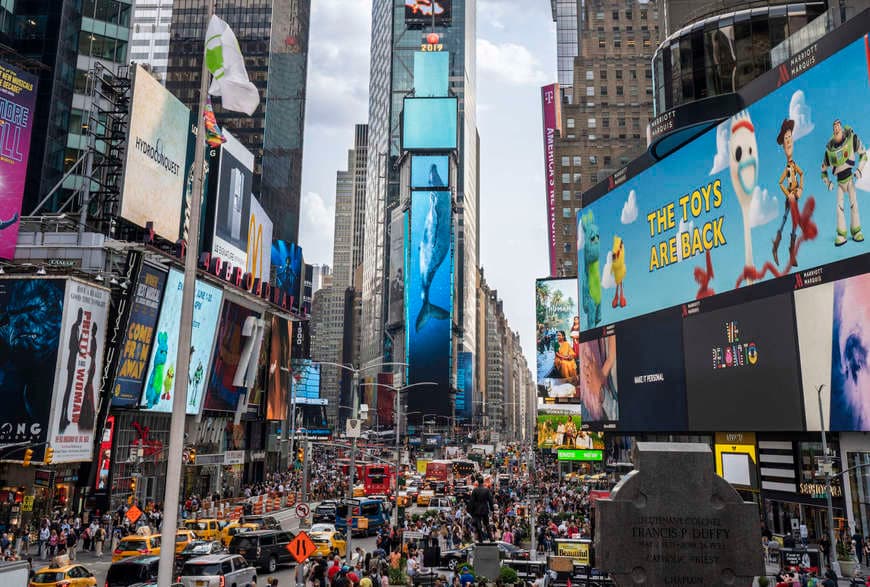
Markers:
<point>264,549</point>
<point>133,571</point>
<point>264,522</point>
<point>325,512</point>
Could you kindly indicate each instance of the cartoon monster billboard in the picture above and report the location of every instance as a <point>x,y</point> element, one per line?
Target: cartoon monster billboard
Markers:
<point>772,190</point>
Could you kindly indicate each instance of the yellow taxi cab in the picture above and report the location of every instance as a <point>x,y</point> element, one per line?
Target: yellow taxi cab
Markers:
<point>359,491</point>
<point>424,497</point>
<point>327,542</point>
<point>205,528</point>
<point>403,500</point>
<point>234,528</point>
<point>135,545</point>
<point>182,539</point>
<point>72,575</point>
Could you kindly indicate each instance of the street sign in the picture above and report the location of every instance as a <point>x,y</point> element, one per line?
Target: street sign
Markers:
<point>27,504</point>
<point>301,547</point>
<point>580,455</point>
<point>302,510</point>
<point>133,514</point>
<point>353,428</point>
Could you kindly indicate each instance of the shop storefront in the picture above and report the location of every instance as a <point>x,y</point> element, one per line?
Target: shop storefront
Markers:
<point>855,453</point>
<point>138,463</point>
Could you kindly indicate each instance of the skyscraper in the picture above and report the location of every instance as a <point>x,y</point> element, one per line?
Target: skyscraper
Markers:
<point>395,39</point>
<point>566,15</point>
<point>273,37</point>
<point>149,35</point>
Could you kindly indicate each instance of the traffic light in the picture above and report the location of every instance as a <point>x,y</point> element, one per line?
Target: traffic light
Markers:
<point>28,454</point>
<point>133,485</point>
<point>300,454</point>
<point>49,455</point>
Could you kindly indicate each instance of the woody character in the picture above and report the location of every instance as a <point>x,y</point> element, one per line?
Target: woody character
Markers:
<point>791,182</point>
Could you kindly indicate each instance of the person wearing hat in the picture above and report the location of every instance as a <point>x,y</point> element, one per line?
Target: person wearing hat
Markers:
<point>791,182</point>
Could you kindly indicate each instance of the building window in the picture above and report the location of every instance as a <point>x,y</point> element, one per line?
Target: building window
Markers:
<point>620,91</point>
<point>615,15</point>
<point>578,196</point>
<point>603,90</point>
<point>601,44</point>
<point>635,122</point>
<point>643,14</point>
<point>620,122</point>
<point>605,123</point>
<point>592,123</point>
<point>593,160</point>
<point>577,161</point>
<point>617,43</point>
<point>567,247</point>
<point>618,74</point>
<point>628,15</point>
<point>602,74</point>
<point>590,91</point>
<point>646,43</point>
<point>566,195</point>
<point>565,162</point>
<point>632,74</point>
<point>566,212</point>
<point>607,160</point>
<point>576,178</point>
<point>570,123</point>
<point>566,178</point>
<point>599,15</point>
<point>590,74</point>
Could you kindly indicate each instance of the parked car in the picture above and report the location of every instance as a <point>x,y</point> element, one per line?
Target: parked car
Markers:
<point>66,575</point>
<point>198,548</point>
<point>325,512</point>
<point>218,570</point>
<point>264,522</point>
<point>133,571</point>
<point>265,549</point>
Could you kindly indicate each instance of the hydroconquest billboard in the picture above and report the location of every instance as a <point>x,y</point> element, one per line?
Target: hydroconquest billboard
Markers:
<point>429,303</point>
<point>160,384</point>
<point>79,372</point>
<point>774,188</point>
<point>31,312</point>
<point>17,100</point>
<point>154,172</point>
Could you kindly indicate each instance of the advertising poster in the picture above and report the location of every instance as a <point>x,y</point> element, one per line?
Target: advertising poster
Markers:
<point>652,379</point>
<point>551,116</point>
<point>79,372</point>
<point>429,307</point>
<point>814,310</point>
<point>160,384</point>
<point>598,382</point>
<point>259,258</point>
<point>386,400</point>
<point>564,431</point>
<point>154,172</point>
<point>257,395</point>
<point>775,187</point>
<point>135,348</point>
<point>222,395</point>
<point>557,340</point>
<point>429,124</point>
<point>288,269</point>
<point>464,386</point>
<point>431,73</point>
<point>279,369</point>
<point>31,311</point>
<point>104,458</point>
<point>307,289</point>
<point>17,100</point>
<point>232,214</point>
<point>397,262</point>
<point>850,368</point>
<point>306,379</point>
<point>301,342</point>
<point>742,368</point>
<point>419,13</point>
<point>429,170</point>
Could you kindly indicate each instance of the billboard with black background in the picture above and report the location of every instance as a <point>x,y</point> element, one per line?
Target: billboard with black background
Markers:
<point>229,209</point>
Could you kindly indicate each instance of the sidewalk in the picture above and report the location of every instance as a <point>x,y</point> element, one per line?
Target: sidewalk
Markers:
<point>772,569</point>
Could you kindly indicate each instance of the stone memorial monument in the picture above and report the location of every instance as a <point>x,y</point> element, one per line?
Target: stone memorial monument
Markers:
<point>673,521</point>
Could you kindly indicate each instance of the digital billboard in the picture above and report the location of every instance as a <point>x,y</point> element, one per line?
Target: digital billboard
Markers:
<point>232,202</point>
<point>77,384</point>
<point>31,312</point>
<point>307,289</point>
<point>397,265</point>
<point>464,386</point>
<point>306,379</point>
<point>279,369</point>
<point>429,124</point>
<point>428,171</point>
<point>552,123</point>
<point>652,378</point>
<point>742,367</point>
<point>419,13</point>
<point>564,431</point>
<point>429,302</point>
<point>160,384</point>
<point>222,395</point>
<point>104,457</point>
<point>259,258</point>
<point>557,340</point>
<point>135,347</point>
<point>288,269</point>
<point>775,187</point>
<point>598,380</point>
<point>431,73</point>
<point>17,101</point>
<point>156,163</point>
<point>833,322</point>
<point>386,399</point>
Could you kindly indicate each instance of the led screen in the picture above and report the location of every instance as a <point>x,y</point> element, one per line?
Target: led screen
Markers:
<point>306,379</point>
<point>564,431</point>
<point>430,171</point>
<point>714,216</point>
<point>429,304</point>
<point>17,101</point>
<point>279,369</point>
<point>429,124</point>
<point>222,395</point>
<point>464,386</point>
<point>431,73</point>
<point>259,247</point>
<point>419,13</point>
<point>154,172</point>
<point>741,367</point>
<point>31,311</point>
<point>288,269</point>
<point>397,266</point>
<point>232,212</point>
<point>160,384</point>
<point>557,340</point>
<point>77,384</point>
<point>135,348</point>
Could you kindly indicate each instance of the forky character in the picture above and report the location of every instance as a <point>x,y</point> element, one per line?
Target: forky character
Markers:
<point>743,161</point>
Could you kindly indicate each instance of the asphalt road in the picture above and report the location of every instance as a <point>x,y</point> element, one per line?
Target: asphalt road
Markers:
<point>288,521</point>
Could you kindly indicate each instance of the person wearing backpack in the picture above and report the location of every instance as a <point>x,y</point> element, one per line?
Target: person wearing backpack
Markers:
<point>99,539</point>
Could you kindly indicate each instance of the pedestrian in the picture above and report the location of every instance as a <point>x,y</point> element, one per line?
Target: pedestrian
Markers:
<point>44,535</point>
<point>71,540</point>
<point>825,547</point>
<point>99,539</point>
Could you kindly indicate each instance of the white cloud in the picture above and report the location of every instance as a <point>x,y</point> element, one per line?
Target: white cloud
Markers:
<point>607,281</point>
<point>802,114</point>
<point>316,228</point>
<point>863,182</point>
<point>763,208</point>
<point>720,160</point>
<point>629,209</point>
<point>685,227</point>
<point>510,62</point>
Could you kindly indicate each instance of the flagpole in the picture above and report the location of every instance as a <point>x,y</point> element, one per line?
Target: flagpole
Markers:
<point>182,364</point>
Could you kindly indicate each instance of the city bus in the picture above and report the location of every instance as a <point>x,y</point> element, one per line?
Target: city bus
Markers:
<point>439,471</point>
<point>377,479</point>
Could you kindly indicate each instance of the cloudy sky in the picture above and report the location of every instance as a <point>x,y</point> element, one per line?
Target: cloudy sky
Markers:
<point>516,54</point>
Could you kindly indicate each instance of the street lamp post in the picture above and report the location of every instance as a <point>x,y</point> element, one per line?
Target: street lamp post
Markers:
<point>835,564</point>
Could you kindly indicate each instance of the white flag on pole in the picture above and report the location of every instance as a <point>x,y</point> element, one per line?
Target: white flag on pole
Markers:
<point>227,66</point>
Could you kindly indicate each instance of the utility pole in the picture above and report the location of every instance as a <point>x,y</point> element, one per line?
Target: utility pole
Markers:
<point>306,467</point>
<point>397,416</point>
<point>352,472</point>
<point>534,554</point>
<point>835,564</point>
<point>182,363</point>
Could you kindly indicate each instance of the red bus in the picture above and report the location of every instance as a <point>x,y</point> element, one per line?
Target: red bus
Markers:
<point>377,479</point>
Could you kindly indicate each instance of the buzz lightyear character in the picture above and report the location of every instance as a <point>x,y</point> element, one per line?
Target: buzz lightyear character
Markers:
<point>846,157</point>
